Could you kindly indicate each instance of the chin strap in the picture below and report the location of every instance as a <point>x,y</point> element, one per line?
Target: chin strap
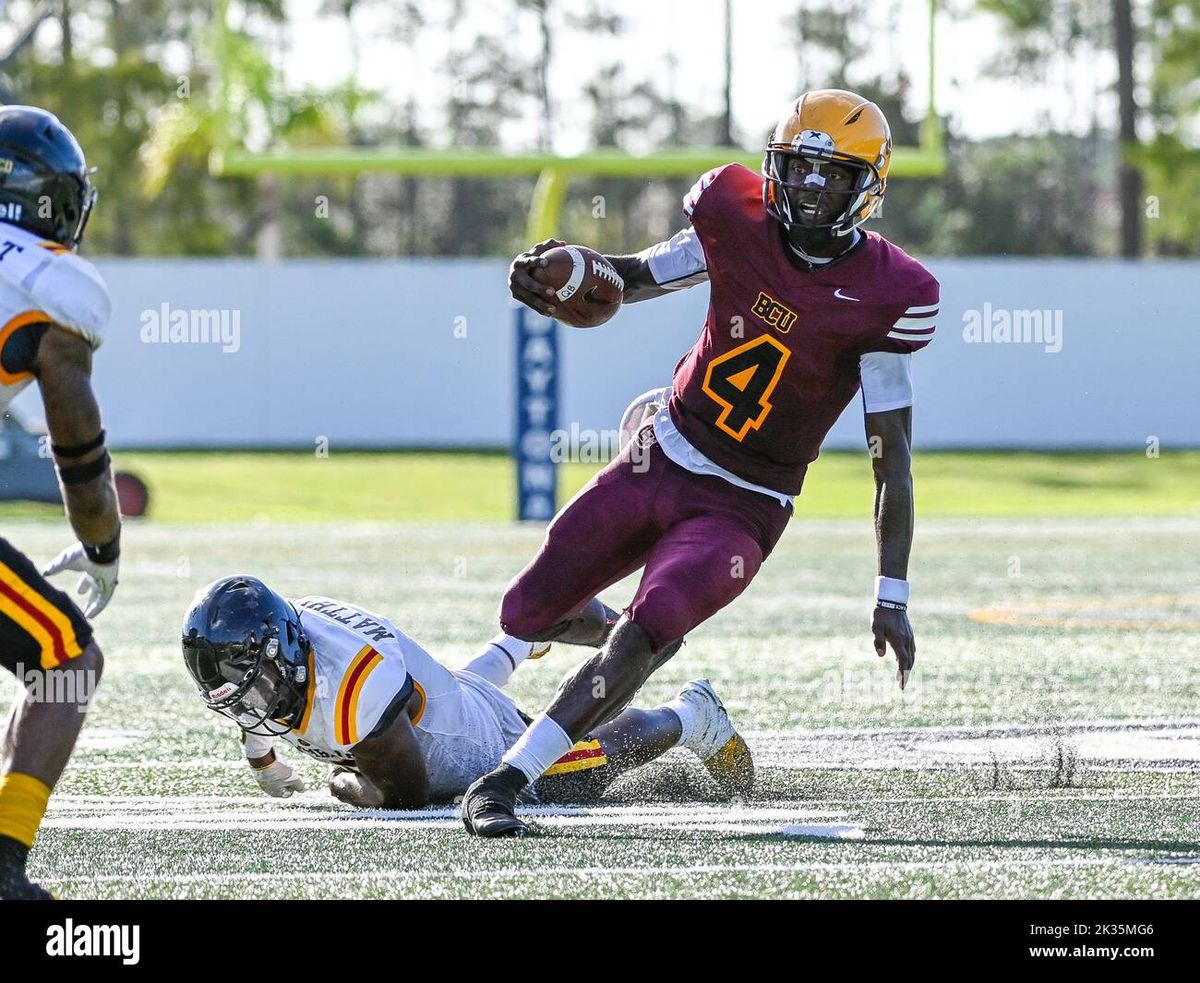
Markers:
<point>818,262</point>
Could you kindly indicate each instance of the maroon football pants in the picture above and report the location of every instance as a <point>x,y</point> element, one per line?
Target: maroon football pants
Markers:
<point>700,538</point>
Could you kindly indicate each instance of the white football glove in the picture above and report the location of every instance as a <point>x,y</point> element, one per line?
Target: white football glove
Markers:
<point>278,778</point>
<point>98,582</point>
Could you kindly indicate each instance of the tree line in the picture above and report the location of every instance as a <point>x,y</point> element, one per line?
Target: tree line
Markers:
<point>111,70</point>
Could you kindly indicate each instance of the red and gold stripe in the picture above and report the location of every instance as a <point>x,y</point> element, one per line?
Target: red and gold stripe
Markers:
<point>584,755</point>
<point>345,726</point>
<point>39,617</point>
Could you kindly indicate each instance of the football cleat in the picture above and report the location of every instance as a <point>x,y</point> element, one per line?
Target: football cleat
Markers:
<point>715,742</point>
<point>539,649</point>
<point>489,808</point>
<point>15,886</point>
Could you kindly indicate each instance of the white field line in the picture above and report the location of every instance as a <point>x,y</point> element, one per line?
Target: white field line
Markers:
<point>1026,796</point>
<point>483,873</point>
<point>318,803</point>
<point>990,730</point>
<point>831,831</point>
<point>146,812</point>
<point>159,764</point>
<point>816,763</point>
<point>182,813</point>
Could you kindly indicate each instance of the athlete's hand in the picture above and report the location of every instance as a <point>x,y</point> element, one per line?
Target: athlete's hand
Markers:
<point>98,582</point>
<point>524,287</point>
<point>890,625</point>
<point>278,779</point>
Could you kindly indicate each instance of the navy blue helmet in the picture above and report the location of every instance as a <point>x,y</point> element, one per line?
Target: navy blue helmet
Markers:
<point>44,186</point>
<point>247,653</point>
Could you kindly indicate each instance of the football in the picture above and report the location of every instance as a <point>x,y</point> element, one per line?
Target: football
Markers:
<point>587,289</point>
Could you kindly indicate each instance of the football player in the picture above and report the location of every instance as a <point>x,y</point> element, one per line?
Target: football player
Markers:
<point>345,686</point>
<point>805,310</point>
<point>53,306</point>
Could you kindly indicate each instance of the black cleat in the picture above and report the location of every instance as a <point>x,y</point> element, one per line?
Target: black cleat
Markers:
<point>15,886</point>
<point>489,807</point>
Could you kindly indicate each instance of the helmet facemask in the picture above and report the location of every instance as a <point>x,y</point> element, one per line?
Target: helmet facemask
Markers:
<point>54,205</point>
<point>252,683</point>
<point>799,185</point>
<point>90,194</point>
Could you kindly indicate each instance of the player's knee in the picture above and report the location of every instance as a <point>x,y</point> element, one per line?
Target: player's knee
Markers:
<point>521,615</point>
<point>632,648</point>
<point>71,683</point>
<point>90,661</point>
<point>87,668</point>
<point>663,624</point>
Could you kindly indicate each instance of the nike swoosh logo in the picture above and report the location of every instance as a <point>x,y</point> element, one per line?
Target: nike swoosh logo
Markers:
<point>841,296</point>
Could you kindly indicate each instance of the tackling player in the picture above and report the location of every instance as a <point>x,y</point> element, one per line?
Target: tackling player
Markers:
<point>52,307</point>
<point>347,687</point>
<point>805,310</point>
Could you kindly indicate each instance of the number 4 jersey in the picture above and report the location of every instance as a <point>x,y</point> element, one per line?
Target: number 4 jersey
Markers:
<point>784,343</point>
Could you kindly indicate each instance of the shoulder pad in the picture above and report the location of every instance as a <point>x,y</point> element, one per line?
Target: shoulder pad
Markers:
<point>71,291</point>
<point>692,198</point>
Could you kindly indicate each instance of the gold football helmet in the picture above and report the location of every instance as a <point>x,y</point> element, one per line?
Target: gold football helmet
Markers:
<point>829,126</point>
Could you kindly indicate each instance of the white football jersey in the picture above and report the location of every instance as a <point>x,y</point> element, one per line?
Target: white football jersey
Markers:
<point>42,282</point>
<point>363,671</point>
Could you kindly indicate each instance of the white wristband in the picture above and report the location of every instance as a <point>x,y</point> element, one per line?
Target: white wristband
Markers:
<point>256,745</point>
<point>891,589</point>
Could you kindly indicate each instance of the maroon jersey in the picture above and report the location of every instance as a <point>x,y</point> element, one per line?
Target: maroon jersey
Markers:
<point>778,359</point>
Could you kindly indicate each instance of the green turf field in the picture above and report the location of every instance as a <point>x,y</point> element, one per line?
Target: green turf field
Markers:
<point>296,487</point>
<point>1048,744</point>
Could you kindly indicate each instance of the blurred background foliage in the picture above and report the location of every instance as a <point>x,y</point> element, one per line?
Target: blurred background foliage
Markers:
<point>100,64</point>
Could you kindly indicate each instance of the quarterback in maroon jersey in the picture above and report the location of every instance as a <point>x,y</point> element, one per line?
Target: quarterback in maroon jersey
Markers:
<point>806,310</point>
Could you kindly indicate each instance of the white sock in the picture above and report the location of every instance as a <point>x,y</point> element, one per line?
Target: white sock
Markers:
<point>542,744</point>
<point>499,660</point>
<point>687,718</point>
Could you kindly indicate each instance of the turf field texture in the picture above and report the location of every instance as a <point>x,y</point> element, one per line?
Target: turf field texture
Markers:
<point>1048,744</point>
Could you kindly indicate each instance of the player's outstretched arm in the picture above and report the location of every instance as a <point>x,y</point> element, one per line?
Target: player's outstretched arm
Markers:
<point>63,367</point>
<point>64,372</point>
<point>889,437</point>
<point>680,257</point>
<point>665,267</point>
<point>392,768</point>
<point>639,279</point>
